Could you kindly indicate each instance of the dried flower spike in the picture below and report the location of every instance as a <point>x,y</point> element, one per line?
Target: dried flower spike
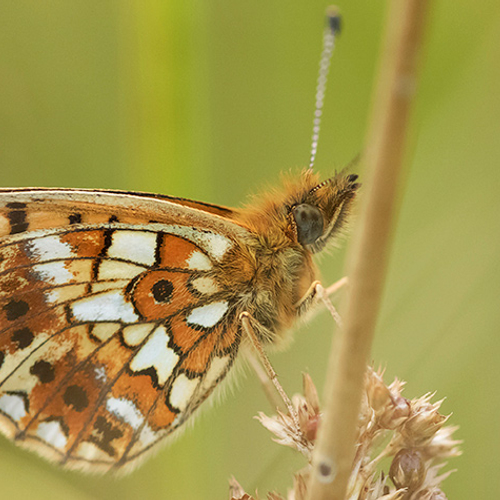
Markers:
<point>413,431</point>
<point>408,469</point>
<point>283,426</point>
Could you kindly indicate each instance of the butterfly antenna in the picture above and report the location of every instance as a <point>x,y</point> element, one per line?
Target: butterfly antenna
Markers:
<point>332,29</point>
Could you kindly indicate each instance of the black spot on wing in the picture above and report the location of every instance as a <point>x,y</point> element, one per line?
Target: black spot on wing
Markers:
<point>162,291</point>
<point>75,218</point>
<point>15,309</point>
<point>16,205</point>
<point>23,337</point>
<point>159,243</point>
<point>69,313</point>
<point>17,217</point>
<point>76,397</point>
<point>108,241</point>
<point>43,370</point>
<point>104,433</point>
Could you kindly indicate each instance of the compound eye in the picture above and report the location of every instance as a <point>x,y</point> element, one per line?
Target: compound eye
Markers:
<point>309,223</point>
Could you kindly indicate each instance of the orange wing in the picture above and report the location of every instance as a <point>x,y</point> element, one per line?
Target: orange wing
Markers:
<point>112,334</point>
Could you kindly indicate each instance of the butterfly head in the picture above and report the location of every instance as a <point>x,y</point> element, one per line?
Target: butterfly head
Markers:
<point>317,211</point>
<point>307,212</point>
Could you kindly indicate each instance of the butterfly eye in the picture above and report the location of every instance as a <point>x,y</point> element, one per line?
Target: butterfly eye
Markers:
<point>309,223</point>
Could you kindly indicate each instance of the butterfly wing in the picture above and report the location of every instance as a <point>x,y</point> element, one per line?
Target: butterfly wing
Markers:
<point>23,209</point>
<point>111,334</point>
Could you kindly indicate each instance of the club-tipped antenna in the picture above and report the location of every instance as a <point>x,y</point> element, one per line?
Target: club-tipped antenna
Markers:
<point>332,29</point>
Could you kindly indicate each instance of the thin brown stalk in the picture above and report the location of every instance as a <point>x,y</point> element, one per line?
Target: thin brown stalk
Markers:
<point>334,451</point>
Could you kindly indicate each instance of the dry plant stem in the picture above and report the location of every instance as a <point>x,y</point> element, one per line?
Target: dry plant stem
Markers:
<point>334,451</point>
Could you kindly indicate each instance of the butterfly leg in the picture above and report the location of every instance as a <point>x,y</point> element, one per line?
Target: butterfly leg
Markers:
<point>267,386</point>
<point>317,292</point>
<point>249,325</point>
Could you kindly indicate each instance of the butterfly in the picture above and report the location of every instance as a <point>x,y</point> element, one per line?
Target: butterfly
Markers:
<point>120,312</point>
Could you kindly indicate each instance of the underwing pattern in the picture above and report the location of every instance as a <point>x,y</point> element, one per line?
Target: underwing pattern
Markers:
<point>119,312</point>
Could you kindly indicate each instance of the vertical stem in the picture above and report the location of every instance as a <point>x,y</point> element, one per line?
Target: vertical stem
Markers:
<point>334,451</point>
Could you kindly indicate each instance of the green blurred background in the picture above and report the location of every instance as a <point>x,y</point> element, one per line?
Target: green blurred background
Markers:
<point>212,100</point>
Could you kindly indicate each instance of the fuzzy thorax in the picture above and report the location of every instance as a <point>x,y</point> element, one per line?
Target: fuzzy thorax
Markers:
<point>275,267</point>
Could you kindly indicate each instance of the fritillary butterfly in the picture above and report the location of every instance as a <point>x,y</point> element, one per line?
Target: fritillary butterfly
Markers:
<point>120,311</point>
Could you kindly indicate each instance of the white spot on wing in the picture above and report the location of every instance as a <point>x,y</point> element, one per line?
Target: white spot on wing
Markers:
<point>137,246</point>
<point>64,293</point>
<point>100,373</point>
<point>205,285</point>
<point>217,367</point>
<point>53,272</point>
<point>147,436</point>
<point>133,335</point>
<point>156,353</point>
<point>208,315</point>
<point>13,405</point>
<point>103,331</point>
<point>182,391</point>
<point>90,451</point>
<point>52,434</point>
<point>116,270</point>
<point>50,248</point>
<point>199,261</point>
<point>214,244</point>
<point>110,306</point>
<point>125,410</point>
